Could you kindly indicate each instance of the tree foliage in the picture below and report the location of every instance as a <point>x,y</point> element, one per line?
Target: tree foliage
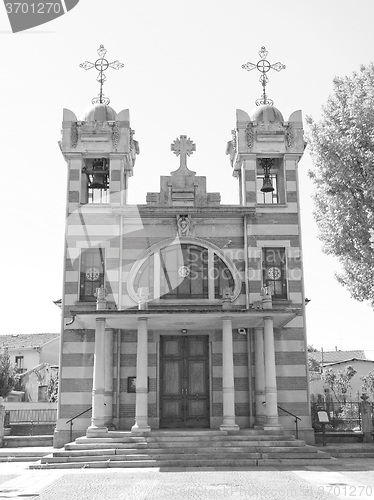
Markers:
<point>368,384</point>
<point>313,365</point>
<point>339,381</point>
<point>52,389</point>
<point>342,148</point>
<point>7,374</point>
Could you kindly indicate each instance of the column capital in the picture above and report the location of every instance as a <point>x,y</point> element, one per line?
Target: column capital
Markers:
<point>268,317</point>
<point>142,318</point>
<point>226,318</point>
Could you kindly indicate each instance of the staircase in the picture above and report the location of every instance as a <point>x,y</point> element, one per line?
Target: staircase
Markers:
<point>185,448</point>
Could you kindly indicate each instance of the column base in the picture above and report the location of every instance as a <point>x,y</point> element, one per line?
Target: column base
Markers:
<point>272,427</point>
<point>96,431</point>
<point>229,427</point>
<point>260,421</point>
<point>140,429</point>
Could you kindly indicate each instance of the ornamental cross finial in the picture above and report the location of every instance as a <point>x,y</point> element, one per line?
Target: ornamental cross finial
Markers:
<point>263,66</point>
<point>101,65</point>
<point>183,147</point>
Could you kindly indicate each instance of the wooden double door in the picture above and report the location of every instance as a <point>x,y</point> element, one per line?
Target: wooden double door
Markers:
<point>184,381</point>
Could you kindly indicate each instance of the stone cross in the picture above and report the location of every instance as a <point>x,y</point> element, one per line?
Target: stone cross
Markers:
<point>183,147</point>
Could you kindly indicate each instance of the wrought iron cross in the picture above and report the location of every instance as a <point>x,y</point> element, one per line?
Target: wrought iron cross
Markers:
<point>264,66</point>
<point>183,147</point>
<point>101,65</point>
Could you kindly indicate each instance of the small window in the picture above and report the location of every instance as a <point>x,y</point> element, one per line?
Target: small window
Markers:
<point>274,271</point>
<point>92,273</point>
<point>19,362</point>
<point>97,180</point>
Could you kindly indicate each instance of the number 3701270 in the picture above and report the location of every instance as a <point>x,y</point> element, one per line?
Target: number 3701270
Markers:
<point>33,8</point>
<point>348,490</point>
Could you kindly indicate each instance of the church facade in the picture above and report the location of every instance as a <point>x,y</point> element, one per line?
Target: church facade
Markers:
<point>182,312</point>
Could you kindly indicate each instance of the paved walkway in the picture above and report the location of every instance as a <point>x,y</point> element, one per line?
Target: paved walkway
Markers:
<point>350,478</point>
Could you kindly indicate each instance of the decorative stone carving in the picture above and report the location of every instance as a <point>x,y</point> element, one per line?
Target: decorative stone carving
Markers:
<point>257,305</point>
<point>74,135</point>
<point>289,136</point>
<point>249,135</point>
<point>134,146</point>
<point>234,142</point>
<point>115,134</point>
<point>183,225</point>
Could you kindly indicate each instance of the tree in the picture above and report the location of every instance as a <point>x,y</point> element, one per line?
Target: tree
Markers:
<point>313,365</point>
<point>368,384</point>
<point>8,377</point>
<point>339,381</point>
<point>342,148</point>
<point>52,389</point>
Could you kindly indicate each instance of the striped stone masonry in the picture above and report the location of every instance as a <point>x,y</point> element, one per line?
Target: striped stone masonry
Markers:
<point>130,238</point>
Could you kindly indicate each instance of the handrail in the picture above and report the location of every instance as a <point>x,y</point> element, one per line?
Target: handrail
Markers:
<point>296,419</point>
<point>72,420</point>
<point>79,414</point>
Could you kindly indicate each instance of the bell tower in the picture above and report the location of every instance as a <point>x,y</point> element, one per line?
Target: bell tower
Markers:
<point>100,152</point>
<point>264,152</point>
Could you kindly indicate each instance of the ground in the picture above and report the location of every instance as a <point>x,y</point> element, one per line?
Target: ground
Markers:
<point>351,478</point>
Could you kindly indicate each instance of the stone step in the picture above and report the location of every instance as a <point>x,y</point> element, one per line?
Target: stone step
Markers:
<point>268,462</point>
<point>203,455</point>
<point>186,448</point>
<point>229,438</point>
<point>27,441</point>
<point>178,444</point>
<point>183,463</point>
<point>164,438</point>
<point>145,456</point>
<point>22,454</point>
<point>123,439</point>
<point>353,454</point>
<point>176,433</point>
<point>183,450</point>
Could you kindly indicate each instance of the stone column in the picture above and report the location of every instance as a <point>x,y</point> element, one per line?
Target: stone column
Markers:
<point>367,423</point>
<point>270,376</point>
<point>260,378</point>
<point>228,389</point>
<point>97,426</point>
<point>108,378</point>
<point>141,407</point>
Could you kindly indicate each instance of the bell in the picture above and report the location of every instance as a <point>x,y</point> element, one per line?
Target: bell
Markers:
<point>267,186</point>
<point>98,181</point>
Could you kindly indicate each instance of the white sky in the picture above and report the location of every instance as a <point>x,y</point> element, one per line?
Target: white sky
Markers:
<point>182,75</point>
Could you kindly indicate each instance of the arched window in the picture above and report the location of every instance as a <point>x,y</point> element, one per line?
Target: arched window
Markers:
<point>183,271</point>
